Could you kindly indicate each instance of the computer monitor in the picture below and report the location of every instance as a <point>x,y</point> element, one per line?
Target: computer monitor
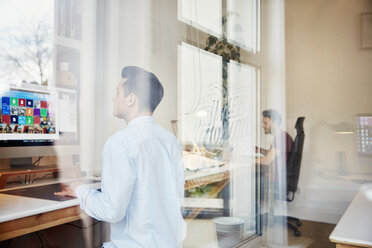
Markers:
<point>38,121</point>
<point>28,115</point>
<point>364,135</point>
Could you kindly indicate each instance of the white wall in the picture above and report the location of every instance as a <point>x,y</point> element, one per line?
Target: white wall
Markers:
<point>328,81</point>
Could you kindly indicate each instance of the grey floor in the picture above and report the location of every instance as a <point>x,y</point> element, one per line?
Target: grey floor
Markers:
<point>201,234</point>
<point>314,235</point>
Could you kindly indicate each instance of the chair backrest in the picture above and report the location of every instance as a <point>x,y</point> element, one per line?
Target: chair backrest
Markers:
<point>294,159</point>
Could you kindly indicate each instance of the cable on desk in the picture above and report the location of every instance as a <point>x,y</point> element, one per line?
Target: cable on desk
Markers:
<point>40,178</point>
<point>42,243</point>
<point>37,161</point>
<point>20,180</point>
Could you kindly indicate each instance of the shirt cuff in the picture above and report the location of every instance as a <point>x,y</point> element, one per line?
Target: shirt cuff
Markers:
<point>82,192</point>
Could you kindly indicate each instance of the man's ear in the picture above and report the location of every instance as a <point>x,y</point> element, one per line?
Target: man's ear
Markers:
<point>131,98</point>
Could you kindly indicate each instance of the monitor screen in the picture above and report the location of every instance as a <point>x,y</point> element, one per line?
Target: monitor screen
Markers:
<point>28,115</point>
<point>364,134</point>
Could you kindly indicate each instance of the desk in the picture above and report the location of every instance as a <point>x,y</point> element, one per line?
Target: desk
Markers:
<point>23,215</point>
<point>205,177</point>
<point>355,226</point>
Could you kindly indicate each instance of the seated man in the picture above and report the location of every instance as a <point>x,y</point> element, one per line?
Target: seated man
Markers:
<point>282,142</point>
<point>277,155</point>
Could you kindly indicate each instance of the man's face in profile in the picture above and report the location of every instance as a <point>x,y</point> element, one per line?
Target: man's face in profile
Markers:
<point>119,99</point>
<point>266,125</point>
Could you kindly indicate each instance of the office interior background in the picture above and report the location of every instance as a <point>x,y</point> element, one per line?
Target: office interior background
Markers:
<point>221,62</point>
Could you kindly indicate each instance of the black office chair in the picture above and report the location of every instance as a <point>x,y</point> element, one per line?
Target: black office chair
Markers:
<point>293,171</point>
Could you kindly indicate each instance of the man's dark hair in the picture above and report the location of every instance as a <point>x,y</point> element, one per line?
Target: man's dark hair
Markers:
<point>145,85</point>
<point>273,115</point>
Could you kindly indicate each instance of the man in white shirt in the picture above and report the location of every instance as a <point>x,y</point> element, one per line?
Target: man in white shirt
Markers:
<point>142,172</point>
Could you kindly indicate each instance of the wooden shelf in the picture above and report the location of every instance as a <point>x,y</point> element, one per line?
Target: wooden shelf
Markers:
<point>22,226</point>
<point>6,173</point>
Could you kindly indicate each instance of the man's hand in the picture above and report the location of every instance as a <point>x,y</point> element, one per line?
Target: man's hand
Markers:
<point>268,158</point>
<point>69,190</point>
<point>261,150</point>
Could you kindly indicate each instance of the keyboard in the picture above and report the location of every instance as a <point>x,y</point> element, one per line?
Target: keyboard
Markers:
<point>45,192</point>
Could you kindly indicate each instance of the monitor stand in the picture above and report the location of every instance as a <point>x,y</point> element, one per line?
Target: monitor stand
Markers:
<point>20,162</point>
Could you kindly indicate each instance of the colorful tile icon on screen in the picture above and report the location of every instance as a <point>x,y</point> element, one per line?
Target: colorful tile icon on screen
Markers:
<point>14,119</point>
<point>43,120</point>
<point>21,120</point>
<point>22,111</point>
<point>36,120</point>
<point>43,112</point>
<point>36,112</point>
<point>5,100</point>
<point>22,102</point>
<point>29,120</point>
<point>5,119</point>
<point>5,110</point>
<point>14,110</point>
<point>29,112</point>
<point>37,104</point>
<point>13,101</point>
<point>29,103</point>
<point>44,104</point>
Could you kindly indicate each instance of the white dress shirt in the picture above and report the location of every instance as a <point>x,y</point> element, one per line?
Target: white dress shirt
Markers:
<point>142,187</point>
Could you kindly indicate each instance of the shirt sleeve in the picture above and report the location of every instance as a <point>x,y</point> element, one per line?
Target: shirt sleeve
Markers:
<point>118,178</point>
<point>180,176</point>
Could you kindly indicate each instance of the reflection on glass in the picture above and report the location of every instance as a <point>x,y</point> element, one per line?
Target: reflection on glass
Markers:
<point>218,128</point>
<point>364,135</point>
<point>200,96</point>
<point>26,41</point>
<point>242,98</point>
<point>243,23</point>
<point>239,21</point>
<point>242,92</point>
<point>205,15</point>
<point>67,110</point>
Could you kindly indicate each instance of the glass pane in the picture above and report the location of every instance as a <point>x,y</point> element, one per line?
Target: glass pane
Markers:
<point>200,96</point>
<point>26,42</point>
<point>364,136</point>
<point>205,15</point>
<point>218,104</point>
<point>243,137</point>
<point>211,103</point>
<point>243,24</point>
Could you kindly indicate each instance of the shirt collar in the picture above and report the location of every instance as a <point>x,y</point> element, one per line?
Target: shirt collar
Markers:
<point>141,119</point>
